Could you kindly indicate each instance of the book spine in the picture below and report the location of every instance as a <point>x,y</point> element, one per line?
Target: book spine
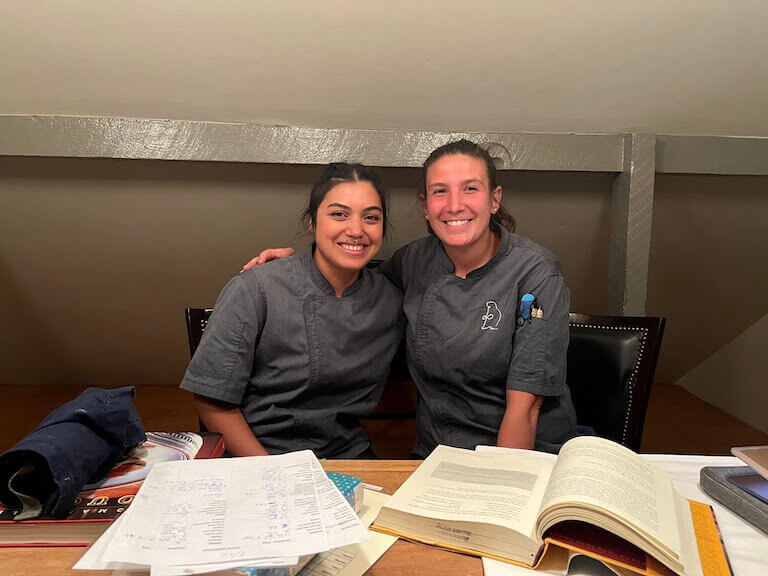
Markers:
<point>100,507</point>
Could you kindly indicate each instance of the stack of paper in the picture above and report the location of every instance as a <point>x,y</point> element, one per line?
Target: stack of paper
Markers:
<point>198,516</point>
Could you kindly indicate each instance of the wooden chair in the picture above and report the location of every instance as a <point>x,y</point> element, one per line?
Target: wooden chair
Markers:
<point>611,363</point>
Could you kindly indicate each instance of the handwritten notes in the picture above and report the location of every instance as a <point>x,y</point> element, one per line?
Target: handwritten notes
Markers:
<point>231,511</point>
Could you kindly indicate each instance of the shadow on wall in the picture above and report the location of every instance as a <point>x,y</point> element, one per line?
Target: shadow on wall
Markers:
<point>706,272</point>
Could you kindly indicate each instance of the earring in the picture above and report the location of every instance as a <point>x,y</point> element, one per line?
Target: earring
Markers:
<point>426,216</point>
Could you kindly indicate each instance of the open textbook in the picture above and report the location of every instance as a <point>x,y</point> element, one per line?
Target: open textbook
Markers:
<point>597,498</point>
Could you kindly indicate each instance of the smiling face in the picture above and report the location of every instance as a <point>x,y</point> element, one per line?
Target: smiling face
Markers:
<point>348,228</point>
<point>459,203</point>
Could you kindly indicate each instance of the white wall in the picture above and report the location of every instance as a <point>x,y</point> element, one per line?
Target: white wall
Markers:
<point>691,66</point>
<point>706,272</point>
<point>742,360</point>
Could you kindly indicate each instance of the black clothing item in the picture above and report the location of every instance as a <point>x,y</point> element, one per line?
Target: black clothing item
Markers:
<point>77,443</point>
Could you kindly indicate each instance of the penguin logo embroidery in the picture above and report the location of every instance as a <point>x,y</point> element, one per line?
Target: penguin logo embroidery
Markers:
<point>492,316</point>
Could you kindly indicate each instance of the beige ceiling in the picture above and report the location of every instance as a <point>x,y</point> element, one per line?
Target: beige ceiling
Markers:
<point>685,67</point>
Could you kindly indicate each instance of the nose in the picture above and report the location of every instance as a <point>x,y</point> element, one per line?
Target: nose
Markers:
<point>354,228</point>
<point>455,201</point>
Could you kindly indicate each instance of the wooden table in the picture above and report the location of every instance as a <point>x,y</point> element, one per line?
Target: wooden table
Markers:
<point>404,558</point>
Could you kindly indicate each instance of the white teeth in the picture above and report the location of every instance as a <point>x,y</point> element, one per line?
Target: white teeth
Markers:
<point>456,222</point>
<point>352,247</point>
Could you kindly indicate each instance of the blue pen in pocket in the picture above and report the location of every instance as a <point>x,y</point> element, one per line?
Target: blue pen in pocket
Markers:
<point>525,308</point>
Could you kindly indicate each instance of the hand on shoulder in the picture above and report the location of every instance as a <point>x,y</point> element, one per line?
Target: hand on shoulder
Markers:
<point>267,255</point>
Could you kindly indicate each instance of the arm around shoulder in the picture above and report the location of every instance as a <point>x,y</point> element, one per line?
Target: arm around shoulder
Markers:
<point>267,255</point>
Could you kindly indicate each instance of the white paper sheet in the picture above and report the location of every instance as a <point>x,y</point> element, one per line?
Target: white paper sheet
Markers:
<point>354,559</point>
<point>234,510</point>
<point>341,523</point>
<point>92,559</point>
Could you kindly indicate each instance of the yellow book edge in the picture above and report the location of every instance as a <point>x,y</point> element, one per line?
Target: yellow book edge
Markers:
<point>714,561</point>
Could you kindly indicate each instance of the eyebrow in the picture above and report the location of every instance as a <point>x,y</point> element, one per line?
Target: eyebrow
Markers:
<point>468,181</point>
<point>337,205</point>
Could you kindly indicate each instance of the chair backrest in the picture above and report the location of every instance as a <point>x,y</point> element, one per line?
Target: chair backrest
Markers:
<point>611,363</point>
<point>197,320</point>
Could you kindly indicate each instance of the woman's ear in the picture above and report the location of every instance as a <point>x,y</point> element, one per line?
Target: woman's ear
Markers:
<point>495,199</point>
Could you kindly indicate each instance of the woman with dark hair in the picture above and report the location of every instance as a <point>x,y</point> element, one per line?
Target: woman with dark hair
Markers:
<point>297,350</point>
<point>487,315</point>
<point>489,367</point>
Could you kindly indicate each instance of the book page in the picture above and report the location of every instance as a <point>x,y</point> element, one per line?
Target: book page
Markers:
<point>462,485</point>
<point>689,552</point>
<point>609,476</point>
<point>354,559</point>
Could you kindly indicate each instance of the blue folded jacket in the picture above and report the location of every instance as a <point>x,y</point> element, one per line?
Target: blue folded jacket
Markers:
<point>77,443</point>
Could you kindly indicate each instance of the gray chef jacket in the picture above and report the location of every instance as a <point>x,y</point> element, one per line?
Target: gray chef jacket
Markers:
<point>302,364</point>
<point>466,349</point>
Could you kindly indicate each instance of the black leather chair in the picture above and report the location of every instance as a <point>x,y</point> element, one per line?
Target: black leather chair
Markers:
<point>611,362</point>
<point>197,320</point>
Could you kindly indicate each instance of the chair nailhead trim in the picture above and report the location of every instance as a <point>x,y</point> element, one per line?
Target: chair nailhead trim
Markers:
<point>633,376</point>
